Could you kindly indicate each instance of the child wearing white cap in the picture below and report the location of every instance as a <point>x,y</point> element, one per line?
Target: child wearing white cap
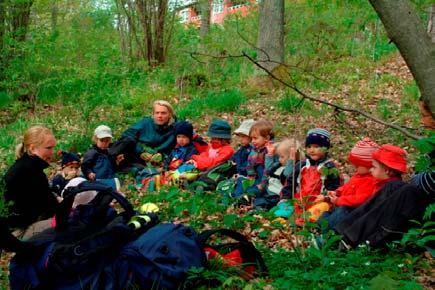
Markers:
<point>97,163</point>
<point>241,156</point>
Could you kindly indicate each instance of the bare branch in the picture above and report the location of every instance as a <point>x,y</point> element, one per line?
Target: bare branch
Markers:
<point>339,107</point>
<point>306,96</point>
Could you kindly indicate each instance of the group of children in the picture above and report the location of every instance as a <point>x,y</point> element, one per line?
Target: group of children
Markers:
<point>281,176</point>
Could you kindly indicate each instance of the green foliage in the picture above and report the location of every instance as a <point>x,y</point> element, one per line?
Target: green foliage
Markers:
<point>289,103</point>
<point>316,269</point>
<point>424,235</point>
<point>425,146</point>
<point>214,101</point>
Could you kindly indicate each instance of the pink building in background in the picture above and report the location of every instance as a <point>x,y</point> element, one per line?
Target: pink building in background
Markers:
<point>219,10</point>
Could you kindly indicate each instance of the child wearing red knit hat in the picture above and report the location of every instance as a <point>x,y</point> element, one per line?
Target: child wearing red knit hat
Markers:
<point>357,190</point>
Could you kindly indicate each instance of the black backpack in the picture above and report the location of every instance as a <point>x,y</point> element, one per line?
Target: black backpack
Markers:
<point>92,234</point>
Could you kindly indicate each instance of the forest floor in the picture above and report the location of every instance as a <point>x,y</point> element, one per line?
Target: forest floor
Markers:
<point>282,238</point>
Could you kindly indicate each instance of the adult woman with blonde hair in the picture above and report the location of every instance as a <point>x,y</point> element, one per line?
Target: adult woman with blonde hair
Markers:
<point>27,189</point>
<point>149,137</point>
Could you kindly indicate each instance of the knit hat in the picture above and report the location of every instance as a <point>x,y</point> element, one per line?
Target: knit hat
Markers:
<point>245,127</point>
<point>361,153</point>
<point>184,128</point>
<point>219,129</point>
<point>425,181</point>
<point>103,131</point>
<point>68,158</point>
<point>391,156</point>
<point>318,136</point>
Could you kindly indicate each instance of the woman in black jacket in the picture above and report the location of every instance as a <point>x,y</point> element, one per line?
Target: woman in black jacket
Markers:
<point>27,190</point>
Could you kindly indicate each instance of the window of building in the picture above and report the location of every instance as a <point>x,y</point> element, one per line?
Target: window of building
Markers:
<point>184,15</point>
<point>218,6</point>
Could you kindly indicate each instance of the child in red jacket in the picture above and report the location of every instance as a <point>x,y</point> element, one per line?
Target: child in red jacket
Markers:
<point>219,149</point>
<point>357,190</point>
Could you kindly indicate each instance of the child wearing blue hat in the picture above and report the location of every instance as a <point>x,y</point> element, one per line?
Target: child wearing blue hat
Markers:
<point>70,168</point>
<point>184,149</point>
<point>313,176</point>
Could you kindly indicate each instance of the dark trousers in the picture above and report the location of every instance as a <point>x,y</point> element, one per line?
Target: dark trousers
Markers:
<point>384,217</point>
<point>126,146</point>
<point>328,220</point>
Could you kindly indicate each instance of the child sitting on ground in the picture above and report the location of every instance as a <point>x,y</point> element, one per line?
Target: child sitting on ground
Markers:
<point>288,152</point>
<point>240,158</point>
<point>261,135</point>
<point>370,222</point>
<point>184,149</point>
<point>359,188</point>
<point>70,168</point>
<point>219,149</point>
<point>97,164</point>
<point>313,176</point>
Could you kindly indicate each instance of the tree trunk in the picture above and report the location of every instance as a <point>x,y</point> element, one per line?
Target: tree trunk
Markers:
<point>120,27</point>
<point>2,25</point>
<point>54,13</point>
<point>406,30</point>
<point>160,15</point>
<point>431,23</point>
<point>270,42</point>
<point>128,9</point>
<point>20,17</point>
<point>205,8</point>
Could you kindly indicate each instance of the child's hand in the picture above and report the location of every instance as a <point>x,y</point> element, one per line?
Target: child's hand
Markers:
<point>333,199</point>
<point>191,161</point>
<point>270,148</point>
<point>319,198</point>
<point>91,176</point>
<point>332,194</point>
<point>119,159</point>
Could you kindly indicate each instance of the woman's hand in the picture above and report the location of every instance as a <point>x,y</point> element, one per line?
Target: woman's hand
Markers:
<point>119,159</point>
<point>91,176</point>
<point>146,156</point>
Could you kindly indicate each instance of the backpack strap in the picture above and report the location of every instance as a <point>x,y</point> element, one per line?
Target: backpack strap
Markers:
<point>105,195</point>
<point>249,248</point>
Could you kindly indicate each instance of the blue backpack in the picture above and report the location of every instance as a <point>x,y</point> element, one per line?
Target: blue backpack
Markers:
<point>161,257</point>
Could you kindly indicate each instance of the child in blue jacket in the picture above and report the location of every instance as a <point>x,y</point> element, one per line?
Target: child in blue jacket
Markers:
<point>97,164</point>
